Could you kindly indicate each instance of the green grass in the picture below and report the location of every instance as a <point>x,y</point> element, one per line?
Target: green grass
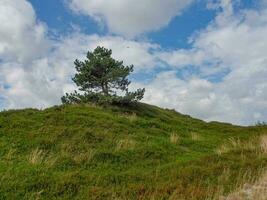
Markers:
<point>137,152</point>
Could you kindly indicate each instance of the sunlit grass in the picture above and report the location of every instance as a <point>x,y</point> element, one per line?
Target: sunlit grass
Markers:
<point>135,152</point>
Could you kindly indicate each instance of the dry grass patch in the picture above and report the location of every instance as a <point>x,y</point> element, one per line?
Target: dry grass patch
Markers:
<point>10,154</point>
<point>256,191</point>
<point>79,156</point>
<point>250,189</point>
<point>131,117</point>
<point>264,143</point>
<point>125,144</point>
<point>39,156</point>
<point>195,136</point>
<point>235,144</point>
<point>84,157</point>
<point>66,149</point>
<point>37,195</point>
<point>228,146</point>
<point>92,105</point>
<point>174,138</point>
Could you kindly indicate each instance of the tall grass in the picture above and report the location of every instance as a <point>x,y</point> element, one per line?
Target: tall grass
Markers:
<point>39,156</point>
<point>256,190</point>
<point>249,186</point>
<point>254,144</point>
<point>195,136</point>
<point>174,138</point>
<point>264,143</point>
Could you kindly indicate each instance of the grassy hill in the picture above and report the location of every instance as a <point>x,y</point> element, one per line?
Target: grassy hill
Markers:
<point>137,152</point>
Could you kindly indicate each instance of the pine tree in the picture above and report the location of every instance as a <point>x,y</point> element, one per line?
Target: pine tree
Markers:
<point>100,78</point>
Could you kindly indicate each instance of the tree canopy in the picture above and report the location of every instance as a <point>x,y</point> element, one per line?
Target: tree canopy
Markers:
<point>102,79</point>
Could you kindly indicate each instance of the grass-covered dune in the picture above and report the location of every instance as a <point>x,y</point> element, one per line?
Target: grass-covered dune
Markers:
<point>137,152</point>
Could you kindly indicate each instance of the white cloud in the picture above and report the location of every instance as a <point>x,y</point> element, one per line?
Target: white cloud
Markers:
<point>195,96</point>
<point>140,54</point>
<point>229,101</point>
<point>29,87</point>
<point>18,29</point>
<point>131,17</point>
<point>181,58</point>
<point>233,41</point>
<point>36,71</point>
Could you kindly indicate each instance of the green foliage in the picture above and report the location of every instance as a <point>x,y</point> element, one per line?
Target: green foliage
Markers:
<point>90,151</point>
<point>100,78</point>
<point>259,123</point>
<point>76,98</point>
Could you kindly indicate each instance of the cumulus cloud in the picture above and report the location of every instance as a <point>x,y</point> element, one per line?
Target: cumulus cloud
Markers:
<point>131,17</point>
<point>233,41</point>
<point>24,29</point>
<point>228,101</point>
<point>142,55</point>
<point>29,87</point>
<point>43,81</point>
<point>195,96</point>
<point>23,41</point>
<point>182,58</point>
<point>36,71</point>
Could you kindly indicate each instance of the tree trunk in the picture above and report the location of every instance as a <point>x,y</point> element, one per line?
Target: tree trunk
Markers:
<point>104,87</point>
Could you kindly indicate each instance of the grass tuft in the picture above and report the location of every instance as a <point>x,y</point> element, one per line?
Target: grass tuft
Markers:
<point>174,138</point>
<point>125,144</point>
<point>10,155</point>
<point>84,157</point>
<point>195,136</point>
<point>37,156</point>
<point>132,117</point>
<point>264,143</point>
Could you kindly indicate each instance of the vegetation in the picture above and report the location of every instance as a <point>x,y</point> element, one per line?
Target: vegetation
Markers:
<point>100,78</point>
<point>140,151</point>
<point>259,123</point>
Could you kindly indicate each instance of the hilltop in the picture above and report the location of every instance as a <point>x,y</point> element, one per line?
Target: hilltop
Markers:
<point>135,152</point>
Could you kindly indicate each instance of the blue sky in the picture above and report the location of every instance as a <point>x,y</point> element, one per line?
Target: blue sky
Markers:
<point>60,18</point>
<point>201,57</point>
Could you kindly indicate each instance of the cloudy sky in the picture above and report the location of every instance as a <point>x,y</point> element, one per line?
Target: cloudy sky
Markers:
<point>206,58</point>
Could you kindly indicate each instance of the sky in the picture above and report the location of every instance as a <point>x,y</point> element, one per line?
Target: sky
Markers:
<point>205,58</point>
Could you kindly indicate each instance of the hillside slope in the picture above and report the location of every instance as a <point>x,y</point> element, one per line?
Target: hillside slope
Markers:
<point>138,152</point>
